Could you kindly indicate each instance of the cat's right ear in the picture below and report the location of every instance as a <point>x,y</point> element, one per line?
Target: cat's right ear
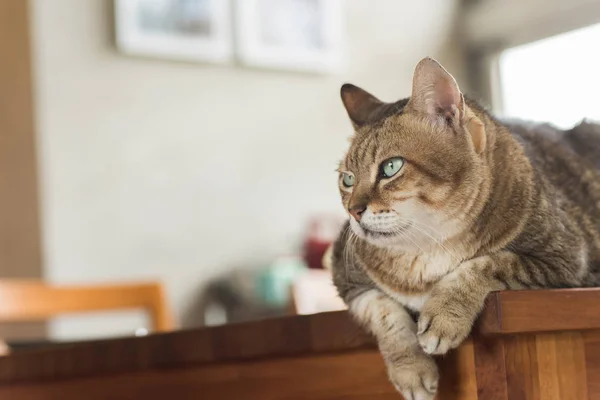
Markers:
<point>359,104</point>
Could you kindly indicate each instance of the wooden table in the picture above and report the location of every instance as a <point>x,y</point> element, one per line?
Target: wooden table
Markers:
<point>542,345</point>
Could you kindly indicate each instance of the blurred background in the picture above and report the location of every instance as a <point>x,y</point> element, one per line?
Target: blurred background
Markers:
<point>193,143</point>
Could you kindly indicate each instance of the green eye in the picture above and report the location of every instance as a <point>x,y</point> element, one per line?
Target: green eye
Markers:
<point>391,167</point>
<point>347,179</point>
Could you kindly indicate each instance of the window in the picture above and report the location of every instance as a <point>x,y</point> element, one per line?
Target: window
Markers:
<point>556,80</point>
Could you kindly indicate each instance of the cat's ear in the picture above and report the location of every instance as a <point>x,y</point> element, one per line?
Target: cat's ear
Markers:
<point>435,92</point>
<point>359,104</point>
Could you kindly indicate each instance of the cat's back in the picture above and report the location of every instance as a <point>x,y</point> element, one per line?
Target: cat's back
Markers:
<point>567,161</point>
<point>580,145</point>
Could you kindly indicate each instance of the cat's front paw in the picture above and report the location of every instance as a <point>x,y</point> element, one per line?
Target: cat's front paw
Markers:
<point>443,330</point>
<point>414,376</point>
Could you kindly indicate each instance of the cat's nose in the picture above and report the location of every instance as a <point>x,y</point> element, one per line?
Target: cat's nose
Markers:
<point>357,211</point>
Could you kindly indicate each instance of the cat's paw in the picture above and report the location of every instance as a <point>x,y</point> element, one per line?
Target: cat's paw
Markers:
<point>441,331</point>
<point>415,377</point>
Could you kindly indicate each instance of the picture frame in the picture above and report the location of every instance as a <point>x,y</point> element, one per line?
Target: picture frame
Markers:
<point>297,35</point>
<point>190,30</point>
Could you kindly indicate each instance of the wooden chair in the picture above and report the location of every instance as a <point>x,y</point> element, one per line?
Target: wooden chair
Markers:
<point>28,300</point>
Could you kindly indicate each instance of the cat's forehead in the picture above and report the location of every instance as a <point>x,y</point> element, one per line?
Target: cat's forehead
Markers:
<point>383,112</point>
<point>375,142</point>
<point>367,148</point>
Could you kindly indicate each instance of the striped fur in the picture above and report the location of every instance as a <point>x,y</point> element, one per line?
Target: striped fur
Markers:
<point>478,206</point>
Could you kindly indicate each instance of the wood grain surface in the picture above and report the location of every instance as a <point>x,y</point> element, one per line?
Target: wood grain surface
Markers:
<point>527,311</point>
<point>325,356</point>
<point>506,313</point>
<point>281,337</point>
<point>349,375</point>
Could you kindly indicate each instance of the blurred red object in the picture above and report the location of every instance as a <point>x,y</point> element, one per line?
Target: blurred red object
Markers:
<point>321,233</point>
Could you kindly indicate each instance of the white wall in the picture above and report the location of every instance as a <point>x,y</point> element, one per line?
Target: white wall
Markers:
<point>180,171</point>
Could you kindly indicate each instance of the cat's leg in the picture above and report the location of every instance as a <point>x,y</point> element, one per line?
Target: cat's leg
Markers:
<point>412,372</point>
<point>447,317</point>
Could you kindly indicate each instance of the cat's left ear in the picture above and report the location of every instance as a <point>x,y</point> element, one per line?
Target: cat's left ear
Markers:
<point>435,92</point>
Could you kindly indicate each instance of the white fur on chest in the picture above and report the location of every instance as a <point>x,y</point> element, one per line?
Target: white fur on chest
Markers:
<point>429,267</point>
<point>409,271</point>
<point>414,270</point>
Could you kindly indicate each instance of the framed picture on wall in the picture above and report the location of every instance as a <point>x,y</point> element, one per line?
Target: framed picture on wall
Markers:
<point>193,30</point>
<point>301,35</point>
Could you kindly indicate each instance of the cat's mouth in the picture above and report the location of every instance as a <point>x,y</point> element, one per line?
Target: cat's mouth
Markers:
<point>375,233</point>
<point>379,234</point>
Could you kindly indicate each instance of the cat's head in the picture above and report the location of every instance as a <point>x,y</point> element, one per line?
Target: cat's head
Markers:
<point>414,167</point>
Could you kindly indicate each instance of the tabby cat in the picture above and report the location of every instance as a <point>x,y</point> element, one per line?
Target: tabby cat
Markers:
<point>447,204</point>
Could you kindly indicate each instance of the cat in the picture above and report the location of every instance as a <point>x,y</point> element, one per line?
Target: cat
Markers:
<point>447,204</point>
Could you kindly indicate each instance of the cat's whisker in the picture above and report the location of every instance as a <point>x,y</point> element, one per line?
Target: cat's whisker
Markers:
<point>415,224</point>
<point>404,234</point>
<point>354,241</point>
<point>451,253</point>
<point>349,253</point>
<point>347,249</point>
<point>432,229</point>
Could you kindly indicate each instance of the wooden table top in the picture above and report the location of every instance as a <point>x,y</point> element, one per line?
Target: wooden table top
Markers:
<point>506,312</point>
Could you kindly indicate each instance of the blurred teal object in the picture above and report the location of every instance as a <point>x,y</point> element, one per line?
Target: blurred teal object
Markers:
<point>274,282</point>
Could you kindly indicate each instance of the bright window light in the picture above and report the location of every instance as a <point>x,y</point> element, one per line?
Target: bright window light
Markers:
<point>555,80</point>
